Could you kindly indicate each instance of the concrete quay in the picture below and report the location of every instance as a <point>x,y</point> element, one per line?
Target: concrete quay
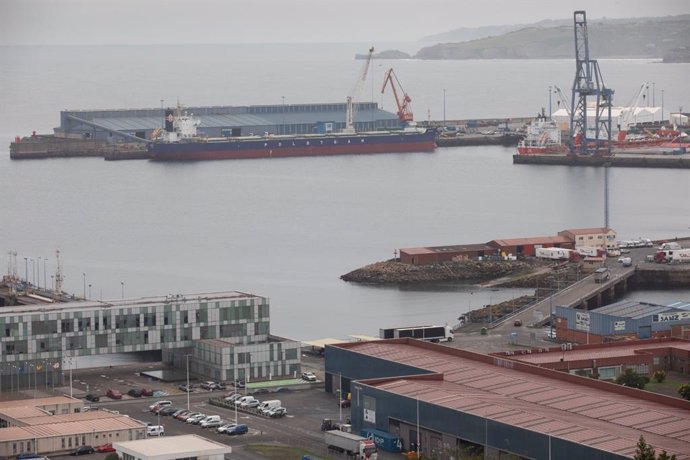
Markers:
<point>630,160</point>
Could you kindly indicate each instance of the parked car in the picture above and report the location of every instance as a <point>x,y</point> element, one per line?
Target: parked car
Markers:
<point>168,410</point>
<point>92,397</point>
<point>178,412</point>
<point>83,450</point>
<point>238,402</point>
<point>196,419</point>
<point>239,383</point>
<point>309,376</point>
<point>113,394</point>
<point>250,403</point>
<point>517,323</point>
<point>183,417</point>
<point>185,388</point>
<point>105,448</point>
<point>233,398</point>
<point>277,412</point>
<point>134,393</point>
<point>261,391</point>
<point>209,385</point>
<point>220,386</point>
<point>212,421</point>
<point>157,405</point>
<point>146,392</point>
<point>225,426</point>
<point>237,429</point>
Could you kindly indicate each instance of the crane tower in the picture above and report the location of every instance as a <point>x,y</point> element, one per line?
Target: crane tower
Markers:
<point>404,111</point>
<point>588,82</point>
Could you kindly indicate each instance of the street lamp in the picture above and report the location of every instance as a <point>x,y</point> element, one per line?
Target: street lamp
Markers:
<point>187,381</point>
<point>84,275</point>
<point>123,288</point>
<point>45,278</point>
<point>38,272</point>
<point>26,270</point>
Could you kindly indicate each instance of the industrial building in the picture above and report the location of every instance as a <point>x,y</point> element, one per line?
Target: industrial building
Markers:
<point>42,341</point>
<point>623,320</point>
<point>223,121</point>
<point>517,247</point>
<point>447,400</point>
<point>58,425</point>
<point>172,448</point>
<point>608,361</point>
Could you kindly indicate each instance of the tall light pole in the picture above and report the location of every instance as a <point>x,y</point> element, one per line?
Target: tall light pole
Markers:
<point>45,278</point>
<point>89,291</point>
<point>122,283</point>
<point>444,107</point>
<point>187,381</point>
<point>26,270</point>
<point>282,127</point>
<point>38,272</point>
<point>84,275</point>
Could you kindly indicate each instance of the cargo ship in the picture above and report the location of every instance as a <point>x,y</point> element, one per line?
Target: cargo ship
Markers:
<point>180,141</point>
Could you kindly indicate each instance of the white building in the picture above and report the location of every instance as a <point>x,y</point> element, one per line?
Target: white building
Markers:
<point>172,448</point>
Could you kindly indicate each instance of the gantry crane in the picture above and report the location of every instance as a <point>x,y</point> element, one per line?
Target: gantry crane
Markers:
<point>588,82</point>
<point>404,108</point>
<point>354,93</point>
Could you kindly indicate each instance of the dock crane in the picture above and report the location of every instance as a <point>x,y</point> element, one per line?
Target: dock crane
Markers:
<point>628,113</point>
<point>404,109</point>
<point>354,93</point>
<point>588,82</point>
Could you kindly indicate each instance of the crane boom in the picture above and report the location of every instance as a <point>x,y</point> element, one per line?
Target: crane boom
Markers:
<point>354,94</point>
<point>404,109</point>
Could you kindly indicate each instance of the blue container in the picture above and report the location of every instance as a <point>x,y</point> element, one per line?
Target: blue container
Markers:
<point>384,441</point>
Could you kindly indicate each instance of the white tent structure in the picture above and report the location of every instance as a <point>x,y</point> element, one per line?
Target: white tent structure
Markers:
<point>621,117</point>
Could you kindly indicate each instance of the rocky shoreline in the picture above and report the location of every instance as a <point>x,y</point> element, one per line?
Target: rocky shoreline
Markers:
<point>543,276</point>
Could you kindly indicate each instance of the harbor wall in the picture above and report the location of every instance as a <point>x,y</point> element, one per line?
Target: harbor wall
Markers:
<point>638,161</point>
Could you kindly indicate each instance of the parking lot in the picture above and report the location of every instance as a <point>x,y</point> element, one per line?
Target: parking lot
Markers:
<point>307,405</point>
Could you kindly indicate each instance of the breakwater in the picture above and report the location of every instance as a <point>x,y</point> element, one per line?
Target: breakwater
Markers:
<point>625,160</point>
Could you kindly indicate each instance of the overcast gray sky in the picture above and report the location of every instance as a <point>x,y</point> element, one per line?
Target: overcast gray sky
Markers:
<point>274,21</point>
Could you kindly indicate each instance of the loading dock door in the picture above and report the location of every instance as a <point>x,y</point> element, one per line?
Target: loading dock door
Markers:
<point>645,332</point>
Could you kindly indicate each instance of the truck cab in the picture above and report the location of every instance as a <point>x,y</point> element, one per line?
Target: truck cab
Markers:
<point>602,275</point>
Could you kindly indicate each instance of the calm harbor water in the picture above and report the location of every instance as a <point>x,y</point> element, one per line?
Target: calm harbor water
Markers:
<point>288,228</point>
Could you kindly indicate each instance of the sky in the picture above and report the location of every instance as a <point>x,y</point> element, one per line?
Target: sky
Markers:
<point>97,22</point>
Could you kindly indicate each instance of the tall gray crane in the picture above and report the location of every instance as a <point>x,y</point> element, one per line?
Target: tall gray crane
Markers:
<point>584,140</point>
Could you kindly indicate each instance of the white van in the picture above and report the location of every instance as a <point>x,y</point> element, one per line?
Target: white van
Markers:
<point>266,406</point>
<point>155,430</point>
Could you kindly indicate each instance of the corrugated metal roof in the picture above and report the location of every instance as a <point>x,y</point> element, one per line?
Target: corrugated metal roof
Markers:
<point>633,309</point>
<point>599,352</point>
<point>550,405</point>
<point>543,240</point>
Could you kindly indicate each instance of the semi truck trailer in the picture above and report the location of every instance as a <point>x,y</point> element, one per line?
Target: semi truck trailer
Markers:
<point>354,446</point>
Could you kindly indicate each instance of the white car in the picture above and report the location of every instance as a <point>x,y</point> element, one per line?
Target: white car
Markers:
<point>225,426</point>
<point>309,376</point>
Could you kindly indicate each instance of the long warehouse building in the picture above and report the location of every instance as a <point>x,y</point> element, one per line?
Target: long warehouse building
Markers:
<point>447,400</point>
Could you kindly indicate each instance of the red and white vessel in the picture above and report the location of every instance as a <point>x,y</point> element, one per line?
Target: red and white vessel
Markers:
<point>543,137</point>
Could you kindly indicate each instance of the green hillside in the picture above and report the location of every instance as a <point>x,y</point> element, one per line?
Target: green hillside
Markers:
<point>642,38</point>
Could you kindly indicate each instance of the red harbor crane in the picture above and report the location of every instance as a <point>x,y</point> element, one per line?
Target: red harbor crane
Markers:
<point>404,109</point>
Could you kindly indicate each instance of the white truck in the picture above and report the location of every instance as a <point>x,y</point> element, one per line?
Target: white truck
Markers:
<point>670,246</point>
<point>426,333</point>
<point>354,446</point>
<point>681,256</point>
<point>552,253</point>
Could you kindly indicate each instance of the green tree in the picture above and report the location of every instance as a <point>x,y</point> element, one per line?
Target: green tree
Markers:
<point>111,456</point>
<point>684,391</point>
<point>664,456</point>
<point>644,451</point>
<point>632,379</point>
